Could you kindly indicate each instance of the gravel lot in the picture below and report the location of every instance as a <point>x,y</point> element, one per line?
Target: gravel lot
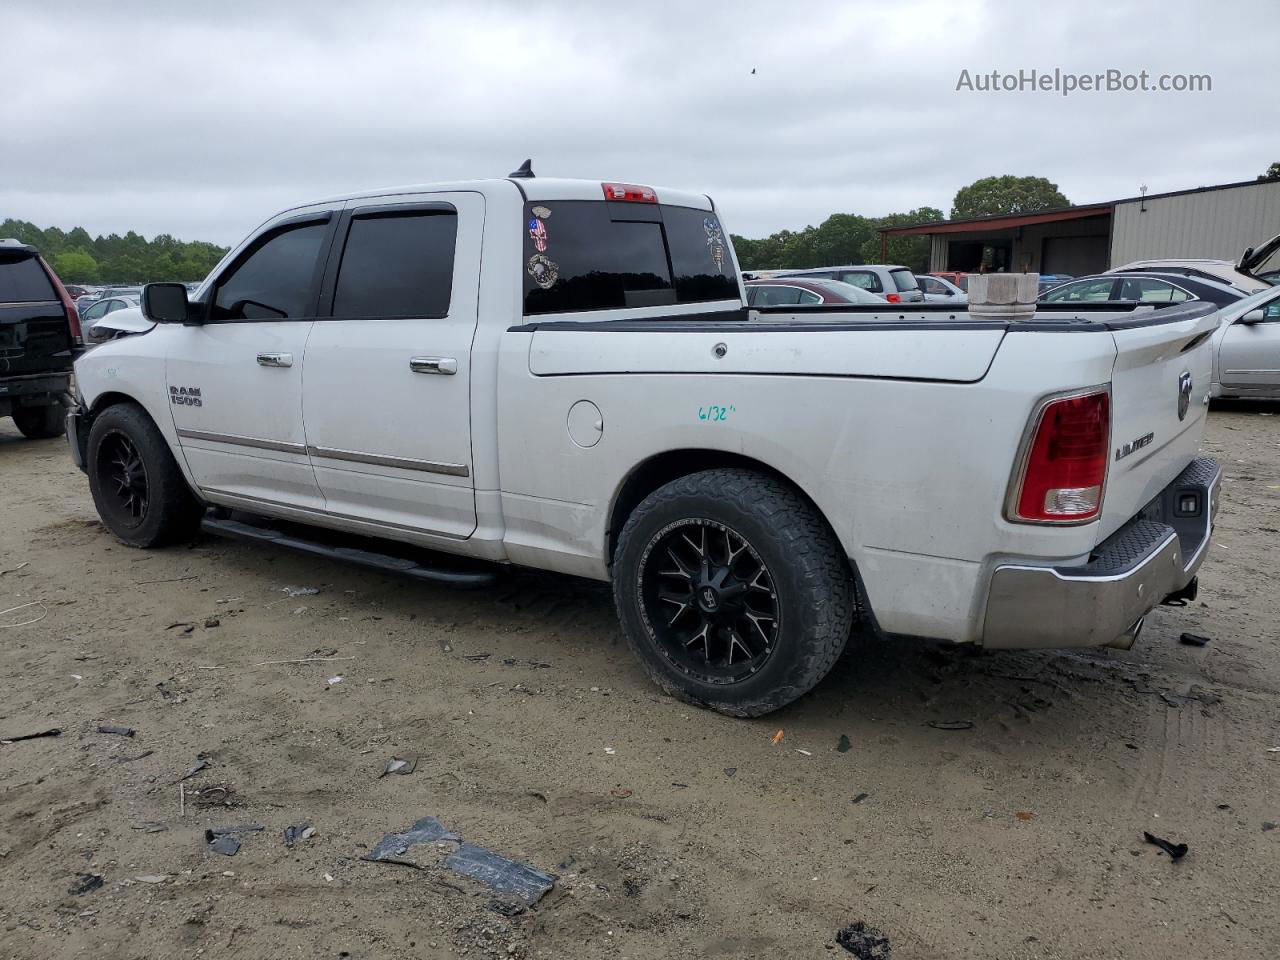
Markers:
<point>674,832</point>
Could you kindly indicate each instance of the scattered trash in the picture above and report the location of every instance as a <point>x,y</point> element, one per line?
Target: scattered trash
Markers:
<point>777,737</point>
<point>118,731</point>
<point>193,576</point>
<point>1024,815</point>
<point>301,591</point>
<point>328,878</point>
<point>508,908</point>
<point>393,847</point>
<point>152,878</point>
<point>202,763</point>
<point>303,831</point>
<point>730,771</point>
<point>1267,826</point>
<point>478,657</point>
<point>1269,749</point>
<point>679,786</point>
<point>860,797</point>
<point>224,840</point>
<point>844,746</point>
<point>85,883</point>
<point>400,765</point>
<point>24,563</point>
<point>610,751</point>
<point>1193,640</point>
<point>1176,851</point>
<point>620,792</point>
<point>150,827</point>
<point>333,680</point>
<point>142,756</point>
<point>500,873</point>
<point>268,663</point>
<point>216,795</point>
<point>211,622</point>
<point>55,732</point>
<point>805,752</point>
<point>1224,806</point>
<point>182,623</point>
<point>865,943</point>
<point>951,724</point>
<point>44,612</point>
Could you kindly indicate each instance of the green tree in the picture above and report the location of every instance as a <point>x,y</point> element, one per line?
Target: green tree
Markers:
<point>75,266</point>
<point>912,252</point>
<point>1273,172</point>
<point>993,196</point>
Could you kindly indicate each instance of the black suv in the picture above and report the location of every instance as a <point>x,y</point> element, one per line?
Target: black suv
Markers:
<point>39,338</point>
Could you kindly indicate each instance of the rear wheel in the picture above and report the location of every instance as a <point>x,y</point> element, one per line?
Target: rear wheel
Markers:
<point>40,423</point>
<point>137,487</point>
<point>733,591</point>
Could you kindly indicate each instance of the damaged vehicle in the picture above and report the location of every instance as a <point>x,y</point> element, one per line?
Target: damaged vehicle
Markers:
<point>566,375</point>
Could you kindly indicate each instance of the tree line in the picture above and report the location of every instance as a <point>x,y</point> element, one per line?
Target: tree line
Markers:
<point>78,257</point>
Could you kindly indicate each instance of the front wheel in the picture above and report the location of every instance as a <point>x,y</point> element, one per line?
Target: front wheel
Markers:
<point>40,423</point>
<point>733,591</point>
<point>137,486</point>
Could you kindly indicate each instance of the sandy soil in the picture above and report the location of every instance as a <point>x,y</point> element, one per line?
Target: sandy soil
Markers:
<point>674,832</point>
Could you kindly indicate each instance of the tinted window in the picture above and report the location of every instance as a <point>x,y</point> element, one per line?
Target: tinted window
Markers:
<point>24,281</point>
<point>861,278</point>
<point>277,281</point>
<point>578,257</point>
<point>776,296</point>
<point>1082,291</point>
<point>904,280</point>
<point>398,265</point>
<point>1150,291</point>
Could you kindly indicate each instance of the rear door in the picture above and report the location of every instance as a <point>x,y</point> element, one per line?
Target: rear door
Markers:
<point>387,382</point>
<point>34,335</point>
<point>235,382</point>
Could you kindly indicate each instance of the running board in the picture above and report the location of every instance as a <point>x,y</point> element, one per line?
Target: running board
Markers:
<point>365,558</point>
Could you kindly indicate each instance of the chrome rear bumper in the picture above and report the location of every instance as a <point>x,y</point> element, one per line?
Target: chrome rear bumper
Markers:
<point>1103,601</point>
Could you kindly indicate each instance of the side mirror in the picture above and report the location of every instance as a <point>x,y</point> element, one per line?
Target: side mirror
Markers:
<point>1254,316</point>
<point>166,303</point>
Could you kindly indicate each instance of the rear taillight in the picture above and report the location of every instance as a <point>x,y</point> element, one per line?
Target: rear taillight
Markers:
<point>73,315</point>
<point>893,298</point>
<point>629,193</point>
<point>1063,474</point>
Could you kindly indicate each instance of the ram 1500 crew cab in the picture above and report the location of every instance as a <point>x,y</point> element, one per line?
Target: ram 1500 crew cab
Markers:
<point>564,374</point>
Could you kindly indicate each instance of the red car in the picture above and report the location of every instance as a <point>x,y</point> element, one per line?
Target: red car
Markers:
<point>791,291</point>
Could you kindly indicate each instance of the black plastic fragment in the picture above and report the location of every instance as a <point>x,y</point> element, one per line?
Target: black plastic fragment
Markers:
<point>844,746</point>
<point>951,724</point>
<point>1176,851</point>
<point>55,732</point>
<point>393,846</point>
<point>865,943</point>
<point>1268,826</point>
<point>500,873</point>
<point>224,840</point>
<point>118,731</point>
<point>1193,640</point>
<point>85,883</point>
<point>860,797</point>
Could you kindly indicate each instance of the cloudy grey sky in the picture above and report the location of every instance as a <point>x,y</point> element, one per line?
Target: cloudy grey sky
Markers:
<point>201,118</point>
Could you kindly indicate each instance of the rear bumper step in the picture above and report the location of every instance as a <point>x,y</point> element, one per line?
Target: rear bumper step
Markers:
<point>1152,558</point>
<point>464,579</point>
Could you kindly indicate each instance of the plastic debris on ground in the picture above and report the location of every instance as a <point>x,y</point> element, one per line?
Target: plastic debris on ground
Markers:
<point>860,797</point>
<point>118,731</point>
<point>396,847</point>
<point>951,724</point>
<point>152,878</point>
<point>1268,826</point>
<point>1193,640</point>
<point>777,737</point>
<point>201,763</point>
<point>303,831</point>
<point>301,591</point>
<point>85,883</point>
<point>55,732</point>
<point>844,746</point>
<point>1176,851</point>
<point>225,840</point>
<point>500,873</point>
<point>864,942</point>
<point>401,765</point>
<point>730,771</point>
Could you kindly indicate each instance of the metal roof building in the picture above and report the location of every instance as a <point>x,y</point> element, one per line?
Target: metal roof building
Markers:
<point>1214,222</point>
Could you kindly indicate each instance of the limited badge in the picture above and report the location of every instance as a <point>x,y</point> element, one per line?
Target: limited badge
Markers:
<point>538,233</point>
<point>543,270</point>
<point>715,241</point>
<point>541,212</point>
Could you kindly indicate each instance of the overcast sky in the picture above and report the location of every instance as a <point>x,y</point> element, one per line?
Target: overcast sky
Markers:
<point>200,119</point>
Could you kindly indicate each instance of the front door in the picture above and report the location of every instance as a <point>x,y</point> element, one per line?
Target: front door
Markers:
<point>235,381</point>
<point>386,390</point>
<point>1249,359</point>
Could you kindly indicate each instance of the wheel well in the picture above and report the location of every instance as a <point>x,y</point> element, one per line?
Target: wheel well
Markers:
<point>665,467</point>
<point>110,400</point>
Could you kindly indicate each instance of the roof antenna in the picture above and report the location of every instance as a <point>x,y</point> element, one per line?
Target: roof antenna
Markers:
<point>524,173</point>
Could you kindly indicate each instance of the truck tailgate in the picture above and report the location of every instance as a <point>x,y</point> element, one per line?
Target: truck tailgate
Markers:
<point>1158,408</point>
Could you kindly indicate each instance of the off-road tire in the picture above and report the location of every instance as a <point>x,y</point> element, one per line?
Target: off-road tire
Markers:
<point>41,423</point>
<point>172,513</point>
<point>811,575</point>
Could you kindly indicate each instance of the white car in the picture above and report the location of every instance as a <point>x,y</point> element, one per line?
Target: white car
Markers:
<point>1251,273</point>
<point>564,374</point>
<point>940,290</point>
<point>100,310</point>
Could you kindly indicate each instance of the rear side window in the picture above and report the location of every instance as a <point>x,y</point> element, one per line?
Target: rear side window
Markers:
<point>862,278</point>
<point>904,280</point>
<point>593,255</point>
<point>276,281</point>
<point>397,265</point>
<point>24,281</point>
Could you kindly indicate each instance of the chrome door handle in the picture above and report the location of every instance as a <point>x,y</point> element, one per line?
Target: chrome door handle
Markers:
<point>446,366</point>
<point>275,359</point>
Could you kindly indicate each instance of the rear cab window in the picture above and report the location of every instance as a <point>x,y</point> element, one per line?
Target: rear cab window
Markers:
<point>904,280</point>
<point>601,255</point>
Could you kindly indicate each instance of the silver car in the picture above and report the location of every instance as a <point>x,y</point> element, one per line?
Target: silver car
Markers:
<point>1246,358</point>
<point>897,284</point>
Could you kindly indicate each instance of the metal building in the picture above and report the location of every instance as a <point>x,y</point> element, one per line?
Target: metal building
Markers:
<point>1207,222</point>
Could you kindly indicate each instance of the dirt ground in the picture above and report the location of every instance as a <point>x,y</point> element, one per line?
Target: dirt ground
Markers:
<point>674,833</point>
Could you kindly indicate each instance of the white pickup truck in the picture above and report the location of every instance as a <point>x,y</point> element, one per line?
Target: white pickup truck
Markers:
<point>563,374</point>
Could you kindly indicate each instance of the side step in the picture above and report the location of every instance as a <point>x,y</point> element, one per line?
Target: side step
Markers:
<point>467,580</point>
